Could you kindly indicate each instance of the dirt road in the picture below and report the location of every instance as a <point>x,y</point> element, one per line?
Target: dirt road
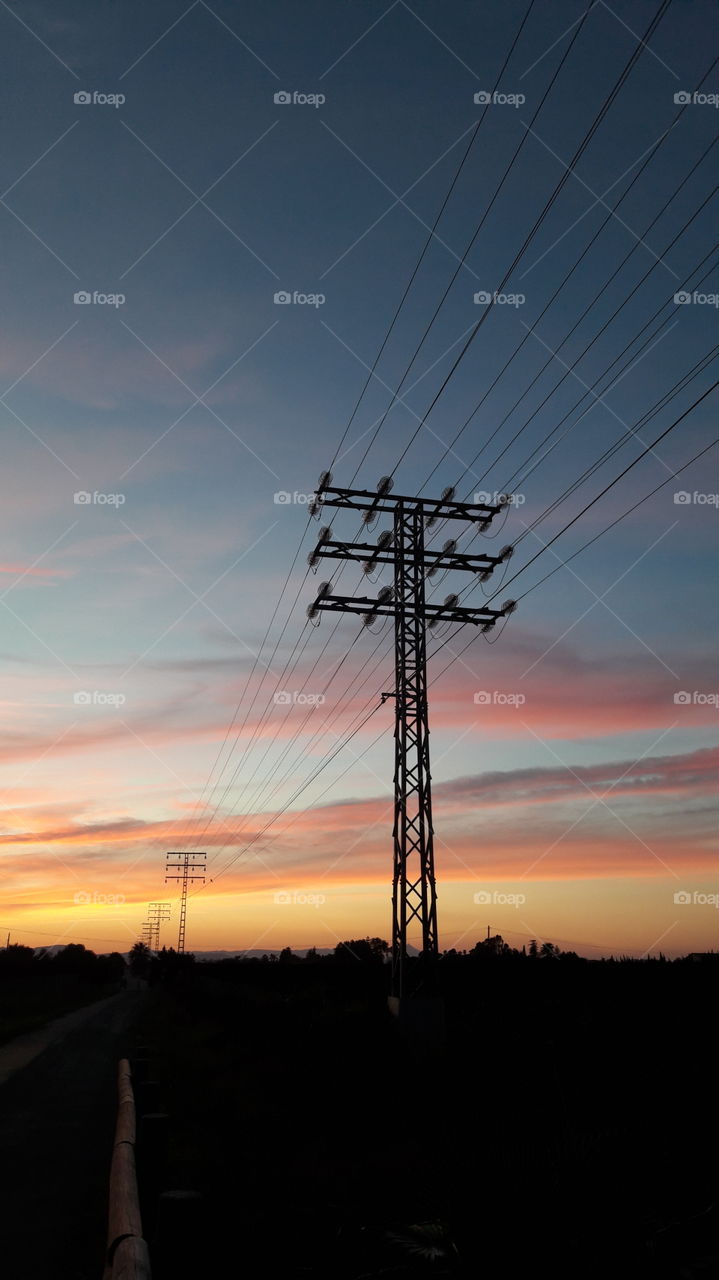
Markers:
<point>57,1116</point>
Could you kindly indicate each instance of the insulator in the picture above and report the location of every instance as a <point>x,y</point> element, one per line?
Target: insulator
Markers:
<point>385,484</point>
<point>507,552</point>
<point>368,619</point>
<point>487,626</point>
<point>324,533</point>
<point>312,612</point>
<point>485,575</point>
<point>324,480</point>
<point>313,559</point>
<point>314,506</point>
<point>385,595</point>
<point>431,572</point>
<point>451,601</point>
<point>449,546</point>
<point>376,624</point>
<point>323,590</point>
<point>370,518</point>
<point>385,539</point>
<point>448,493</point>
<point>509,606</point>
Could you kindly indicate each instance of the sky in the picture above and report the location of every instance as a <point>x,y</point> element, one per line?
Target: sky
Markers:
<point>210,214</point>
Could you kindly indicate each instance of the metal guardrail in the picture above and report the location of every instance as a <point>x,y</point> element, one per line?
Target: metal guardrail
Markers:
<point>127,1256</point>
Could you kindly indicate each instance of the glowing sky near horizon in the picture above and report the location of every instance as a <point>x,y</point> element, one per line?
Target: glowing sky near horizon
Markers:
<point>578,798</point>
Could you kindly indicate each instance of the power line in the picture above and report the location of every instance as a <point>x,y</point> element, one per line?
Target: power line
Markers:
<point>370,375</point>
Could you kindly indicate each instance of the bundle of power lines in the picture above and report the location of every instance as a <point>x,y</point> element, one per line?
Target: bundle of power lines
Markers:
<point>262,790</point>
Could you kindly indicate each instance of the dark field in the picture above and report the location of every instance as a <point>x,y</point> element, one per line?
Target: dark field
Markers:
<point>566,1123</point>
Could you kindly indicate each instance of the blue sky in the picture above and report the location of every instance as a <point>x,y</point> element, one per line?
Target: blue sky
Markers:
<point>191,403</point>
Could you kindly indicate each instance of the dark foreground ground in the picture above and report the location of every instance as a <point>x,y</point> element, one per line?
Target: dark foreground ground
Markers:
<point>567,1125</point>
<point>57,1118</point>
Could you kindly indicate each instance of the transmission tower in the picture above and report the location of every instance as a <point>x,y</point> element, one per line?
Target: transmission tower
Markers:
<point>187,870</point>
<point>414,895</point>
<point>156,913</point>
<point>146,934</point>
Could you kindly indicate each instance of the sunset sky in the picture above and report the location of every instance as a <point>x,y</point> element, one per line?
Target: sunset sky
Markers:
<point>576,798</point>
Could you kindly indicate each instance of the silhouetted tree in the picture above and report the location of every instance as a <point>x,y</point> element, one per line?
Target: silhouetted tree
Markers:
<point>140,957</point>
<point>17,959</point>
<point>365,950</point>
<point>549,951</point>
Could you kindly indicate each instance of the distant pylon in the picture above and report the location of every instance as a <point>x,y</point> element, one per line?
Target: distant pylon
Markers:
<point>156,913</point>
<point>187,869</point>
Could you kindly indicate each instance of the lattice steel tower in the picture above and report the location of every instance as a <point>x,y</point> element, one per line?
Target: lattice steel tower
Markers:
<point>188,870</point>
<point>414,894</point>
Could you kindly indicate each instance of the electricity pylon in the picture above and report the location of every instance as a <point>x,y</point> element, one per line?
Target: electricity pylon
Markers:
<point>156,913</point>
<point>187,871</point>
<point>414,895</point>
